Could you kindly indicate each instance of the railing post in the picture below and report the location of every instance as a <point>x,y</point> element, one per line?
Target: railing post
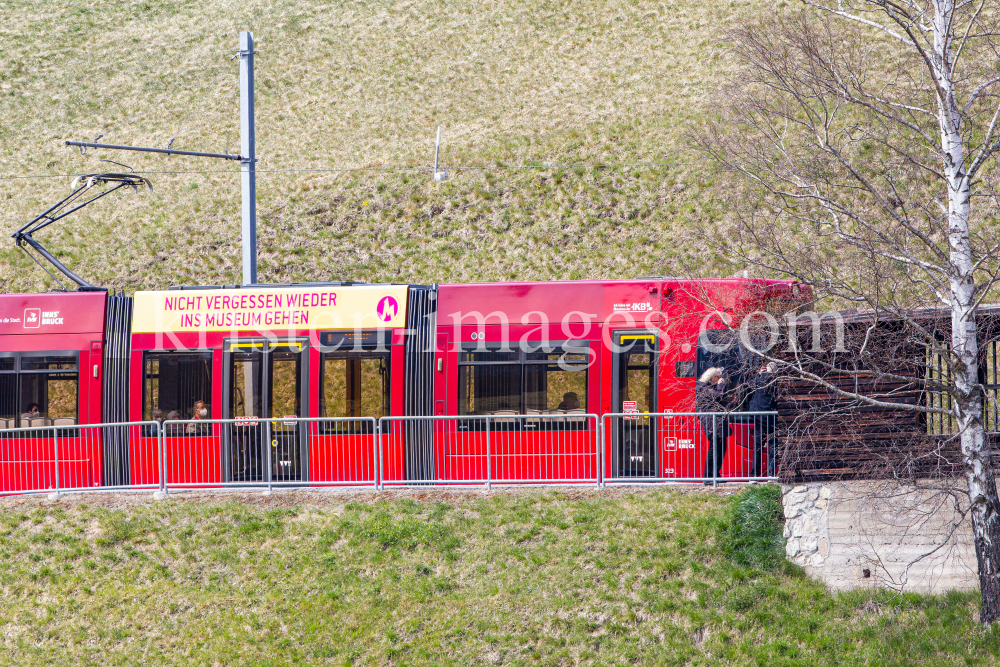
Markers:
<point>267,453</point>
<point>600,452</point>
<point>379,479</point>
<point>489,477</point>
<point>55,439</point>
<point>715,452</point>
<point>161,439</point>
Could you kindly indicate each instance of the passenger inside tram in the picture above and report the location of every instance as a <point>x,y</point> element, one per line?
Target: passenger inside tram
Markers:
<point>173,429</point>
<point>38,391</point>
<point>198,412</point>
<point>570,401</point>
<point>157,416</point>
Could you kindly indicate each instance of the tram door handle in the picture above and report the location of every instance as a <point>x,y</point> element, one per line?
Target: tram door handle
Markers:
<point>439,408</point>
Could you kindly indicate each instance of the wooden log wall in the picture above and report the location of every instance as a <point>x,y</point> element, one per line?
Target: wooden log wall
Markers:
<point>823,435</point>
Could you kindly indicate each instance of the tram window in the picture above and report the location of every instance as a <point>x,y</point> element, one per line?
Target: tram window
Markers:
<point>48,363</point>
<point>722,348</point>
<point>489,389</point>
<point>354,384</point>
<point>490,357</point>
<point>285,390</point>
<point>504,383</point>
<point>51,383</point>
<point>639,380</point>
<point>174,382</point>
<point>552,388</point>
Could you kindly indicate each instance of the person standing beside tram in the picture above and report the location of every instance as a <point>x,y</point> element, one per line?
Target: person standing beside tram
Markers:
<point>763,399</point>
<point>710,397</point>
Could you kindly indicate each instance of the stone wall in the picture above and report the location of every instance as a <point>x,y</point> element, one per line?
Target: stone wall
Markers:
<point>864,534</point>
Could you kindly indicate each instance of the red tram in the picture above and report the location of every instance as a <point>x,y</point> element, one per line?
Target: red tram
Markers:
<point>318,364</point>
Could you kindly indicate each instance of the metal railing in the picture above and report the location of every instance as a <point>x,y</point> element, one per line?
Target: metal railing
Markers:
<point>487,450</point>
<point>490,449</point>
<point>283,451</point>
<point>73,457</point>
<point>709,447</point>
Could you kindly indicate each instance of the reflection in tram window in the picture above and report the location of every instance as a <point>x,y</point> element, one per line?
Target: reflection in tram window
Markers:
<point>44,393</point>
<point>489,390</point>
<point>285,388</point>
<point>555,388</point>
<point>354,384</point>
<point>177,386</point>
<point>639,383</point>
<point>246,394</point>
<point>515,383</point>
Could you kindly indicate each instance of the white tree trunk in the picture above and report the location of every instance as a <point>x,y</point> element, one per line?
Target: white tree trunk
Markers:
<point>964,343</point>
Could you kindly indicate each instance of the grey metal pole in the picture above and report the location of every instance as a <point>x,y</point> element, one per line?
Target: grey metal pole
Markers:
<point>248,161</point>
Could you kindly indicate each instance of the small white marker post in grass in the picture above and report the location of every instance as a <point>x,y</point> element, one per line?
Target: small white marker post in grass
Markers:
<point>438,175</point>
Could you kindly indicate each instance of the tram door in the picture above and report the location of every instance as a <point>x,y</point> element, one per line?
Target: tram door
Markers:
<point>264,390</point>
<point>634,389</point>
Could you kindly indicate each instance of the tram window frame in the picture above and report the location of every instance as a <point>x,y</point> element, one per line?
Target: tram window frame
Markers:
<point>205,396</point>
<point>16,366</point>
<point>328,427</point>
<point>739,364</point>
<point>8,394</point>
<point>553,357</point>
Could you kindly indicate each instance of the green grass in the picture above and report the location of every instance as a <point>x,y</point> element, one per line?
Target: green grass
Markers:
<point>651,577</point>
<point>361,85</point>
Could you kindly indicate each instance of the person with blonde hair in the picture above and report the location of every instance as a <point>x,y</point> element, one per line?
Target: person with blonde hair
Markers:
<point>710,397</point>
<point>711,376</point>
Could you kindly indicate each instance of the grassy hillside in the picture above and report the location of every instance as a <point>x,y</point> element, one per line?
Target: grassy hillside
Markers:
<point>651,577</point>
<point>346,85</point>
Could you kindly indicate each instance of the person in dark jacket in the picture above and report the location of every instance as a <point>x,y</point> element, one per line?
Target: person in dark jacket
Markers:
<point>710,396</point>
<point>763,400</point>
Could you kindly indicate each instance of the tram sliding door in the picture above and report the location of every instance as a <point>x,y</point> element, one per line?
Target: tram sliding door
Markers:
<point>284,394</point>
<point>245,401</point>
<point>265,393</point>
<point>634,389</point>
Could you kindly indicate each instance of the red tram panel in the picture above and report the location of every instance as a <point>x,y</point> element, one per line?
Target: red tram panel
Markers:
<point>50,356</point>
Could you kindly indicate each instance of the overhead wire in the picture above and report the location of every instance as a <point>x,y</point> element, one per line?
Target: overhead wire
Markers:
<point>624,165</point>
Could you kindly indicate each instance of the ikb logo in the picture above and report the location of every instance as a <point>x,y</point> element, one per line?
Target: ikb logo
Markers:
<point>32,318</point>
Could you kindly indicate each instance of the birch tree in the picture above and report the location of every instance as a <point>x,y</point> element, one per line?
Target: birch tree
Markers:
<point>865,135</point>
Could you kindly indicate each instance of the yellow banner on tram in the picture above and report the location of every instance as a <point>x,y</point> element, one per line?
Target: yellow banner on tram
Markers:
<point>271,309</point>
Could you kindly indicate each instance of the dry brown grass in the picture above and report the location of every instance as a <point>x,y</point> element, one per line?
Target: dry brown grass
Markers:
<point>352,84</point>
